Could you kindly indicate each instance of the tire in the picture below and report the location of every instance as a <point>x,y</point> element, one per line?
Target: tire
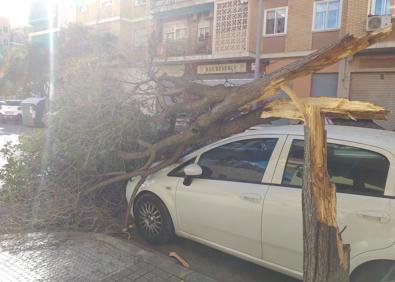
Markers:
<point>152,219</point>
<point>377,271</point>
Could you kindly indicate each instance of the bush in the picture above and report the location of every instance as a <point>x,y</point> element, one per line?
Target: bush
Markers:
<point>48,174</point>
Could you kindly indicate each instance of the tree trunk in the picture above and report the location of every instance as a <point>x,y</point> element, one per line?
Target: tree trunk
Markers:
<point>320,231</point>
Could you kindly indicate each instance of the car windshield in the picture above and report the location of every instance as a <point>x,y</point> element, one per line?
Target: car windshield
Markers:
<point>13,103</point>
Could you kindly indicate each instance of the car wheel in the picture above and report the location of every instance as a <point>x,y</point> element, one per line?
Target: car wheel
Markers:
<point>379,271</point>
<point>153,219</point>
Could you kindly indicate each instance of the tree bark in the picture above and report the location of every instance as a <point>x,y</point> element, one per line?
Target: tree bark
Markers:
<point>320,231</point>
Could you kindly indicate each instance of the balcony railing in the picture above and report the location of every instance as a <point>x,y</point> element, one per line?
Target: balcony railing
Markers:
<point>179,48</point>
<point>166,5</point>
<point>159,3</point>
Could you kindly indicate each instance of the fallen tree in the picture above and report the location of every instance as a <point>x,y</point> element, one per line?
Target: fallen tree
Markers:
<point>235,109</point>
<point>221,111</point>
<point>216,112</point>
<point>221,106</point>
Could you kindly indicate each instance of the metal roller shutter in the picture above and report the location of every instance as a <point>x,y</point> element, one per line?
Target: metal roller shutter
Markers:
<point>378,88</point>
<point>324,84</point>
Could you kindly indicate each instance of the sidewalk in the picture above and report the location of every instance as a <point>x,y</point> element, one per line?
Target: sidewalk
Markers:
<point>85,257</point>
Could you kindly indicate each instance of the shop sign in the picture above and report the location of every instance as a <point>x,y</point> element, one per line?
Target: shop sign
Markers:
<point>222,68</point>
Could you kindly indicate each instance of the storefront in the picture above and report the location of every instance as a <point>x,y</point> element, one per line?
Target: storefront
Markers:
<point>372,79</point>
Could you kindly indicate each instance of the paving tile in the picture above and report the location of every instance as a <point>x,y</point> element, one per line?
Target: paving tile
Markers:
<point>74,256</point>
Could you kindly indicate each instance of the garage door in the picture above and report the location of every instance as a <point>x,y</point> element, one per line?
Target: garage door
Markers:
<point>324,84</point>
<point>378,88</point>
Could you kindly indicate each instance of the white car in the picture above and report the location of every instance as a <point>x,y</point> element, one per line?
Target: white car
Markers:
<point>11,109</point>
<point>242,195</point>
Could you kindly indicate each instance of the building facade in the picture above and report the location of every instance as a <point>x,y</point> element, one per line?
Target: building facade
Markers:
<point>215,42</point>
<point>127,20</point>
<point>5,34</point>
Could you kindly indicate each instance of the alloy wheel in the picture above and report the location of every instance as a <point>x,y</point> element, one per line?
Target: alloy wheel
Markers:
<point>150,219</point>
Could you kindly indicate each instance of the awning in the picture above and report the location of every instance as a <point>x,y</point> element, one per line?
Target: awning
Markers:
<point>173,13</point>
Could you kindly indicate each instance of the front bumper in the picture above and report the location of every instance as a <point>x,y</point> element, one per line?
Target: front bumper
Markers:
<point>11,117</point>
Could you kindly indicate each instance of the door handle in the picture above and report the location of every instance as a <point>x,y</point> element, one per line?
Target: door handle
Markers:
<point>382,217</point>
<point>251,197</point>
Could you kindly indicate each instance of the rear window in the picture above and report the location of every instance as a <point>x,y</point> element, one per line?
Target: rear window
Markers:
<point>13,103</point>
<point>353,170</point>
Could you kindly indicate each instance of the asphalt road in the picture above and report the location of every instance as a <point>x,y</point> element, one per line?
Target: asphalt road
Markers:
<point>215,264</point>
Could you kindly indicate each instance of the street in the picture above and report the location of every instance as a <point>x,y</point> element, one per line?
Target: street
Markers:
<point>215,264</point>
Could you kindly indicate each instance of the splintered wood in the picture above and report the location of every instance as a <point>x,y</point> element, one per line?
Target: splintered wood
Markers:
<point>331,107</point>
<point>182,261</point>
<point>325,256</point>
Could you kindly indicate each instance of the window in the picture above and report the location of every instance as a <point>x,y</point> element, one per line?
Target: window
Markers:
<point>352,170</point>
<point>380,7</point>
<point>169,35</point>
<point>203,33</point>
<point>139,2</point>
<point>327,15</point>
<point>244,160</point>
<point>179,171</point>
<point>5,29</point>
<point>231,26</point>
<point>175,33</point>
<point>276,21</point>
<point>181,33</point>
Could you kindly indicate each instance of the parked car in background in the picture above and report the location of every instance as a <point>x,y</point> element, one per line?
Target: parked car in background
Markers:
<point>11,110</point>
<point>242,195</point>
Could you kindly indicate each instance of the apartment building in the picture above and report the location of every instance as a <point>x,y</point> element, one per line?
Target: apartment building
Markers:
<point>205,40</point>
<point>296,28</point>
<point>48,17</point>
<point>215,41</point>
<point>127,20</point>
<point>5,34</point>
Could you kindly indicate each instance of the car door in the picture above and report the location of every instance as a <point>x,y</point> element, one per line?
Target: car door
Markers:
<point>224,206</point>
<point>360,174</point>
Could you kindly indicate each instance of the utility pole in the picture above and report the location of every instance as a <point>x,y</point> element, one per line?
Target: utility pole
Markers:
<point>259,27</point>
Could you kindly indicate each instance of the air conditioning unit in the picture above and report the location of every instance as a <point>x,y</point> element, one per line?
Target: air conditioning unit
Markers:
<point>376,22</point>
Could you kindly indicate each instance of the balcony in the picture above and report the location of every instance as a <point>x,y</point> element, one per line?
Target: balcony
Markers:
<point>162,6</point>
<point>180,48</point>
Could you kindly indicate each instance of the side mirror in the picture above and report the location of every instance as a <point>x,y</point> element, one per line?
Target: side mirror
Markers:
<point>193,170</point>
<point>190,171</point>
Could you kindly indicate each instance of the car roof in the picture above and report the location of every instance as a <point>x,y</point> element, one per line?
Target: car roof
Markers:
<point>384,139</point>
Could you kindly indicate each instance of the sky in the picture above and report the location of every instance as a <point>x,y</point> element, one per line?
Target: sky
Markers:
<point>17,11</point>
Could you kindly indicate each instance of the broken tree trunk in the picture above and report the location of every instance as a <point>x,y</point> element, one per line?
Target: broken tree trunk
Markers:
<point>325,258</point>
<point>324,255</point>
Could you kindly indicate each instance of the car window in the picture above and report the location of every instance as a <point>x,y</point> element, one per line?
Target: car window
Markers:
<point>351,169</point>
<point>244,160</point>
<point>179,171</point>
